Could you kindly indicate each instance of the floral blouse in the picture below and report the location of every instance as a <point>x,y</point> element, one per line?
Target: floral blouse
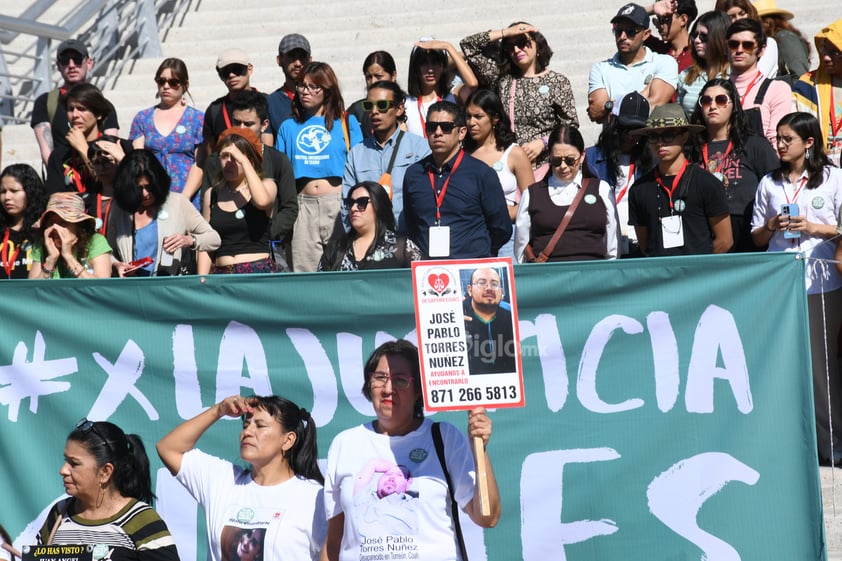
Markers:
<point>395,252</point>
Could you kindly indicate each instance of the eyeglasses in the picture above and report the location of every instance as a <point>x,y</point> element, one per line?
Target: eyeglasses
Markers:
<point>482,283</point>
<point>666,137</point>
<point>236,69</point>
<point>171,82</point>
<point>445,126</point>
<point>77,59</point>
<point>658,21</point>
<point>521,42</point>
<point>313,88</point>
<point>721,100</point>
<point>399,382</point>
<point>787,140</point>
<point>703,37</point>
<point>360,202</point>
<point>569,160</point>
<point>382,105</point>
<point>86,426</point>
<point>629,31</point>
<point>733,44</point>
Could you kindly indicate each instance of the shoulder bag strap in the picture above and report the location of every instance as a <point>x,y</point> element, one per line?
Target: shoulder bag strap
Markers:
<point>395,152</point>
<point>568,216</point>
<point>454,508</point>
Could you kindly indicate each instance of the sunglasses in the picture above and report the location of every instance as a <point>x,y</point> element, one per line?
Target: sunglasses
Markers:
<point>658,21</point>
<point>629,31</point>
<point>85,426</point>
<point>360,202</point>
<point>703,37</point>
<point>171,82</point>
<point>445,126</point>
<point>733,44</point>
<point>382,105</point>
<point>77,59</point>
<point>236,69</point>
<point>667,137</point>
<point>569,160</point>
<point>721,100</point>
<point>521,42</point>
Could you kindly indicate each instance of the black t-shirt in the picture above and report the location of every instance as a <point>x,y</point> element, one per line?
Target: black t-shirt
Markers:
<point>59,125</point>
<point>703,196</point>
<point>15,250</point>
<point>742,170</point>
<point>218,118</point>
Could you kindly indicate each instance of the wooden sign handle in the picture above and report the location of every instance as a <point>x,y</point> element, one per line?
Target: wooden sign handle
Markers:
<point>482,476</point>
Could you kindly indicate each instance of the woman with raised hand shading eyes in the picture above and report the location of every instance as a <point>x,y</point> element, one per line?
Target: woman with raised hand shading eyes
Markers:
<point>590,233</point>
<point>280,489</point>
<point>106,473</point>
<point>172,129</point>
<point>372,241</point>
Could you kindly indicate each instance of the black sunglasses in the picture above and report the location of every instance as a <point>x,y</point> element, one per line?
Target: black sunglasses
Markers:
<point>703,37</point>
<point>629,31</point>
<point>721,100</point>
<point>171,82</point>
<point>733,44</point>
<point>77,59</point>
<point>237,69</point>
<point>521,42</point>
<point>667,137</point>
<point>382,105</point>
<point>360,202</point>
<point>446,126</point>
<point>86,426</point>
<point>569,160</point>
<point>658,21</point>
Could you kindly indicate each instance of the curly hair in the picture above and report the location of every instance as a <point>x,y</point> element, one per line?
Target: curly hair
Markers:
<point>36,197</point>
<point>491,105</point>
<point>542,56</point>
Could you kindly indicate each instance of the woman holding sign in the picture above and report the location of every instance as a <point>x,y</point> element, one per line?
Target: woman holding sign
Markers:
<point>385,481</point>
<point>106,474</point>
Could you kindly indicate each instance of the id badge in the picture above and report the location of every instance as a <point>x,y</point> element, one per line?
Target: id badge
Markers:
<point>672,231</point>
<point>439,241</point>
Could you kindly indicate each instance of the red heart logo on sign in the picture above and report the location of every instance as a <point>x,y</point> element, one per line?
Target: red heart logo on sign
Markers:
<point>438,282</point>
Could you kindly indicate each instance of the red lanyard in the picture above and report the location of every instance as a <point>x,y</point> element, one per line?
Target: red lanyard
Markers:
<point>99,213</point>
<point>801,182</point>
<point>8,264</point>
<point>630,176</point>
<point>290,93</point>
<point>751,85</point>
<point>721,162</point>
<point>834,124</point>
<point>225,116</point>
<point>440,196</point>
<point>675,181</point>
<point>421,115</point>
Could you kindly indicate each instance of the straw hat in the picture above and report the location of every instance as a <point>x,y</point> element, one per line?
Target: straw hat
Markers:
<point>769,8</point>
<point>68,206</point>
<point>669,116</point>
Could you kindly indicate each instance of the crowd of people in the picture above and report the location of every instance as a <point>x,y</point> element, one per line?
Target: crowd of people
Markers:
<point>716,137</point>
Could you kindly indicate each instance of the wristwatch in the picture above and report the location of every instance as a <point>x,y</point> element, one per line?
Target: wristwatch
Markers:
<point>609,105</point>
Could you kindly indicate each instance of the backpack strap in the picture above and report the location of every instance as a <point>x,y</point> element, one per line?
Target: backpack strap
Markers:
<point>52,103</point>
<point>454,508</point>
<point>761,91</point>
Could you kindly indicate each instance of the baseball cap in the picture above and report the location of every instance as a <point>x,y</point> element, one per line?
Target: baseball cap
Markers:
<point>634,13</point>
<point>72,45</point>
<point>232,56</point>
<point>631,110</point>
<point>293,41</point>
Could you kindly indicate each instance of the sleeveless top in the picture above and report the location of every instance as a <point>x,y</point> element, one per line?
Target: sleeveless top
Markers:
<point>584,238</point>
<point>246,230</point>
<point>507,177</point>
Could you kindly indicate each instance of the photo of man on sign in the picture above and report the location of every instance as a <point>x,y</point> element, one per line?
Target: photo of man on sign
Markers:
<point>488,324</point>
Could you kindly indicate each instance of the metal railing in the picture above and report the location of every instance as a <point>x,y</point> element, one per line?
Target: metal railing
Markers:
<point>116,33</point>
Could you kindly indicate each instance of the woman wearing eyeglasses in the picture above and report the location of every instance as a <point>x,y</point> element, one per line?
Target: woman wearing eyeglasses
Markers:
<point>590,233</point>
<point>106,473</point>
<point>797,209</point>
<point>384,478</point>
<point>709,49</point>
<point>317,141</point>
<point>279,491</point>
<point>733,154</point>
<point>371,242</point>
<point>172,129</point>
<point>538,99</point>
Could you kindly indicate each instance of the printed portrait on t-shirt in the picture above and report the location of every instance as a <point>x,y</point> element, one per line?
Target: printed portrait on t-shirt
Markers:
<point>242,544</point>
<point>385,500</point>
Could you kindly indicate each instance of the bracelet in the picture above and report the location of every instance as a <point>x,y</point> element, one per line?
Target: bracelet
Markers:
<point>47,271</point>
<point>195,243</point>
<point>78,271</point>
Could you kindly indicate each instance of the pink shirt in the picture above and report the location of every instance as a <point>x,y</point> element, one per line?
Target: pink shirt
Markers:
<point>776,103</point>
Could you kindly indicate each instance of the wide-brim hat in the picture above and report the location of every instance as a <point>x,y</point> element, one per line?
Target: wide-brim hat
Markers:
<point>669,116</point>
<point>770,8</point>
<point>68,206</point>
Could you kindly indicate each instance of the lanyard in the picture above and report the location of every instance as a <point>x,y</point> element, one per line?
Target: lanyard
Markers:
<point>675,182</point>
<point>801,183</point>
<point>99,212</point>
<point>225,116</point>
<point>721,162</point>
<point>751,85</point>
<point>290,93</point>
<point>421,115</point>
<point>440,196</point>
<point>8,264</point>
<point>629,178</point>
<point>834,124</point>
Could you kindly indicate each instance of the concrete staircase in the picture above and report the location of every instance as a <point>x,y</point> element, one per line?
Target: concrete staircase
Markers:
<point>344,32</point>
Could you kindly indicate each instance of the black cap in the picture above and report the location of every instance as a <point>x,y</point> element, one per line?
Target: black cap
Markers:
<point>631,110</point>
<point>634,13</point>
<point>72,45</point>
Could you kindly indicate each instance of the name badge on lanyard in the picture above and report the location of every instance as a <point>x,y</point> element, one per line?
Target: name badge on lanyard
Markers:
<point>439,240</point>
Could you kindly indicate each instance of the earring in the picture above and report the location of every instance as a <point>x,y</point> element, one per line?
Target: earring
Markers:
<point>809,153</point>
<point>184,100</point>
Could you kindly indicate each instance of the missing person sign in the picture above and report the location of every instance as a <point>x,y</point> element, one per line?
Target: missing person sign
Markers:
<point>468,340</point>
<point>60,552</point>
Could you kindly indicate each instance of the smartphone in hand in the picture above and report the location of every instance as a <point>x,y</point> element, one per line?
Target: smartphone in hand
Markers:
<point>789,210</point>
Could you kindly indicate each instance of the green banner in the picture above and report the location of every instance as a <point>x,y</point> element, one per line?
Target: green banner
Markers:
<point>668,402</point>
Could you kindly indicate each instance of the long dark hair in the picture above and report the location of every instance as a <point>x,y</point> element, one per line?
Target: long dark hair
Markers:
<point>806,126</point>
<point>491,105</point>
<point>137,164</point>
<point>382,59</point>
<point>408,351</point>
<point>738,130</point>
<point>108,444</point>
<point>36,197</point>
<point>384,221</point>
<point>333,105</point>
<point>542,56</point>
<point>417,59</point>
<point>609,143</point>
<point>715,62</point>
<point>304,454</point>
